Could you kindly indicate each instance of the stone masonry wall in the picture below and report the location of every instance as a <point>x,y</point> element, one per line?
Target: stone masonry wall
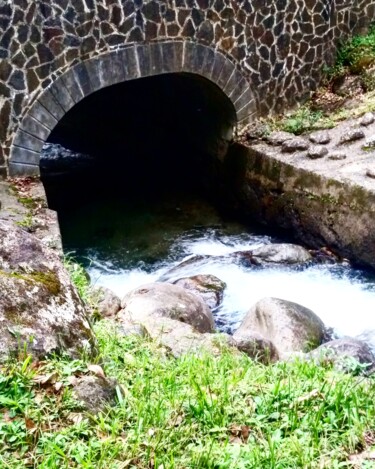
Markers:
<point>264,54</point>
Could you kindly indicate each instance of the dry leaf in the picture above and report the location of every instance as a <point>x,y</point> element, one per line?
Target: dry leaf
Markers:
<point>58,386</point>
<point>45,379</point>
<point>97,370</point>
<point>75,418</point>
<point>6,416</point>
<point>30,425</point>
<point>72,380</point>
<point>235,440</point>
<point>241,432</point>
<point>314,394</point>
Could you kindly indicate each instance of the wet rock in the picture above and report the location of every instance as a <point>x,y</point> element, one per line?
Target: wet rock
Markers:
<point>55,158</point>
<point>351,136</point>
<point>39,307</point>
<point>166,300</point>
<point>106,301</point>
<point>181,338</point>
<point>294,144</point>
<point>337,156</point>
<point>256,130</point>
<point>322,137</point>
<point>255,346</point>
<point>370,172</point>
<point>347,354</point>
<point>369,143</point>
<point>208,287</point>
<point>282,253</point>
<point>289,326</point>
<point>180,269</point>
<point>95,393</point>
<point>367,119</point>
<point>316,151</point>
<point>278,138</point>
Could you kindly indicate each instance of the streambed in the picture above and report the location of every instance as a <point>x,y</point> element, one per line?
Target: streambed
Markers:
<point>124,243</point>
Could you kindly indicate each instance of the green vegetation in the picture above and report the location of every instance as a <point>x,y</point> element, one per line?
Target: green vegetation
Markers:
<point>192,412</point>
<point>79,277</point>
<point>356,55</point>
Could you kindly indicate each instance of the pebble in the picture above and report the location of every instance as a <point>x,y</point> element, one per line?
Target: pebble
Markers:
<point>317,151</point>
<point>367,119</point>
<point>370,173</point>
<point>321,137</point>
<point>369,143</point>
<point>337,156</point>
<point>278,138</point>
<point>351,135</point>
<point>295,144</point>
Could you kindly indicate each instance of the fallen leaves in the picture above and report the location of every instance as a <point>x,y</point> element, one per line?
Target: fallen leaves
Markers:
<point>239,434</point>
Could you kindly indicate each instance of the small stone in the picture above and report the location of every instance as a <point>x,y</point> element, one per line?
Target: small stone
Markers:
<point>294,144</point>
<point>370,173</point>
<point>278,138</point>
<point>317,151</point>
<point>321,137</point>
<point>351,136</point>
<point>367,119</point>
<point>369,143</point>
<point>337,156</point>
<point>95,393</point>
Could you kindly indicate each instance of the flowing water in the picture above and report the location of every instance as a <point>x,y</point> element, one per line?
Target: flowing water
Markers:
<point>124,244</point>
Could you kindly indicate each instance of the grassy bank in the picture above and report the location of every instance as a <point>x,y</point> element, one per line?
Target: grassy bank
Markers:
<point>192,412</point>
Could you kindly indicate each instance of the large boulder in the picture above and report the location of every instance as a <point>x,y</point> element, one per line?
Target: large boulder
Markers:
<point>282,253</point>
<point>167,300</point>
<point>208,287</point>
<point>39,307</point>
<point>347,354</point>
<point>289,326</point>
<point>180,338</point>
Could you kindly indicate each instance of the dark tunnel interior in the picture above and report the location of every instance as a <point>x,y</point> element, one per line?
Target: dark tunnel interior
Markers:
<point>144,137</point>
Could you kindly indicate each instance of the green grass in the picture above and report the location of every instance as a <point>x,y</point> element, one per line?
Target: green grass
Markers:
<point>191,412</point>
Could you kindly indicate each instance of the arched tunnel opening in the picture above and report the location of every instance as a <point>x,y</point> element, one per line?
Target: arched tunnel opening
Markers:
<point>149,145</point>
<point>144,137</point>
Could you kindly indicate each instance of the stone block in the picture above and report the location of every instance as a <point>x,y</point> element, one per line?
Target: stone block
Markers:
<point>41,114</point>
<point>82,78</point>
<point>156,56</point>
<point>61,94</point>
<point>23,155</point>
<point>169,57</point>
<point>130,63</point>
<point>225,74</point>
<point>238,90</point>
<point>34,127</point>
<point>93,73</point>
<point>233,82</point>
<point>24,140</point>
<point>246,115</point>
<point>178,55</point>
<point>71,85</point>
<point>3,172</point>
<point>144,59</point>
<point>209,61</point>
<point>53,107</point>
<point>22,169</point>
<point>194,57</point>
<point>219,63</point>
<point>244,99</point>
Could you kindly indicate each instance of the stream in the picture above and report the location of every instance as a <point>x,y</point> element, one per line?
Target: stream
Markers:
<point>127,242</point>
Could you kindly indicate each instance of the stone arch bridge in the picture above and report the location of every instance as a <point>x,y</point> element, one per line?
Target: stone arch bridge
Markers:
<point>262,54</point>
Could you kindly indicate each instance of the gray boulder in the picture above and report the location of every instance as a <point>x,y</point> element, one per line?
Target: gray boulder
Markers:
<point>346,354</point>
<point>106,302</point>
<point>39,307</point>
<point>289,326</point>
<point>256,346</point>
<point>166,300</point>
<point>208,287</point>
<point>180,338</point>
<point>95,393</point>
<point>282,253</point>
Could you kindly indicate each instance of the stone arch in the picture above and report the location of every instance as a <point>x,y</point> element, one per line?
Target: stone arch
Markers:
<point>128,63</point>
